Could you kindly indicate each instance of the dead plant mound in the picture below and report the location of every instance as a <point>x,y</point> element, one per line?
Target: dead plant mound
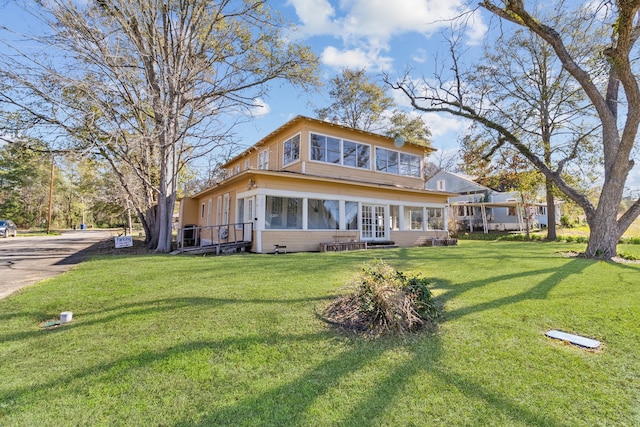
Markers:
<point>384,301</point>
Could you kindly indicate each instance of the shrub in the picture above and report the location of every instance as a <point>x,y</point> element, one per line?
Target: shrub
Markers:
<point>565,221</point>
<point>384,301</point>
<point>629,256</point>
<point>630,240</point>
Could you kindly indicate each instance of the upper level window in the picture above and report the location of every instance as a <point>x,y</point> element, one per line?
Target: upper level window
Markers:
<point>356,155</point>
<point>263,159</point>
<point>386,160</point>
<point>390,161</point>
<point>291,150</point>
<point>409,165</point>
<point>337,151</point>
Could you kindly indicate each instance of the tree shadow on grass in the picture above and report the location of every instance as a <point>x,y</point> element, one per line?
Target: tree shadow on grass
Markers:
<point>391,388</point>
<point>539,291</point>
<point>390,385</point>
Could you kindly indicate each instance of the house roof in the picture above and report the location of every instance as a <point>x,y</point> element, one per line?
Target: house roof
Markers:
<point>299,119</point>
<point>458,183</point>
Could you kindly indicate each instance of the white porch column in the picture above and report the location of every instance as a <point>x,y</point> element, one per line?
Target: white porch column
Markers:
<point>260,212</point>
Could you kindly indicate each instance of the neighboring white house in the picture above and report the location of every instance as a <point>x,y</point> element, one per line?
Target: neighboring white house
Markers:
<point>481,208</point>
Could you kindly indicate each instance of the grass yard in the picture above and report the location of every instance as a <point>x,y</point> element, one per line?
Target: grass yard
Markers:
<point>234,340</point>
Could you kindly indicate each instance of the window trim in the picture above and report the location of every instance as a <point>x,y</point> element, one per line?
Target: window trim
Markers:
<point>284,150</point>
<point>263,159</point>
<point>341,141</point>
<point>399,153</point>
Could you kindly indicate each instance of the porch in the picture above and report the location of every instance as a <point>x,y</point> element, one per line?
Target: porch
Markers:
<point>218,239</point>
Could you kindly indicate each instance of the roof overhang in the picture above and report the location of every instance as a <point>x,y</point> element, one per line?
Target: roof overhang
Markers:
<point>252,173</point>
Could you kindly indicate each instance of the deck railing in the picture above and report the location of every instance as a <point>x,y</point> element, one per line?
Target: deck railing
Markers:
<point>193,236</point>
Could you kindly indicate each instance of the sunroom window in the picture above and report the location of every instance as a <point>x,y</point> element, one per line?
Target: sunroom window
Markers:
<point>390,161</point>
<point>283,213</point>
<point>291,150</point>
<point>323,214</point>
<point>435,219</point>
<point>340,152</point>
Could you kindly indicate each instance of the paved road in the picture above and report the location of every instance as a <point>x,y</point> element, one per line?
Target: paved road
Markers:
<point>27,260</point>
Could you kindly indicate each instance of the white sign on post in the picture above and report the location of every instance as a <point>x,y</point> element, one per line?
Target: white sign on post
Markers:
<point>123,241</point>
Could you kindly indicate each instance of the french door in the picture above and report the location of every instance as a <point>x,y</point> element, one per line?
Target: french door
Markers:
<point>374,226</point>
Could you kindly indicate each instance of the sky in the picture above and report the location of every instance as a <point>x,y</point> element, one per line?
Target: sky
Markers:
<point>378,35</point>
<point>381,36</point>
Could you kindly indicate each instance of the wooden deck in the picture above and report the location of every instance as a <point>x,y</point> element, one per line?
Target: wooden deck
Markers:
<point>342,246</point>
<point>438,242</point>
<point>217,239</point>
<point>217,248</point>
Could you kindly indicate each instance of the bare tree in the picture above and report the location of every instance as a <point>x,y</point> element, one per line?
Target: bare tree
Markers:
<point>150,85</point>
<point>534,96</point>
<point>606,91</point>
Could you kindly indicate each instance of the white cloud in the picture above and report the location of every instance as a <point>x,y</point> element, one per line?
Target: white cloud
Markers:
<point>383,19</point>
<point>377,21</point>
<point>476,29</point>
<point>260,108</point>
<point>316,16</point>
<point>420,56</point>
<point>355,58</point>
<point>5,139</point>
<point>442,124</point>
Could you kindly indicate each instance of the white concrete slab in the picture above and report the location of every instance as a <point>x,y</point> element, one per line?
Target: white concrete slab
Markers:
<point>573,339</point>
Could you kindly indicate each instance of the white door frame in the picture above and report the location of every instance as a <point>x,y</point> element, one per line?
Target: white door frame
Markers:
<point>374,222</point>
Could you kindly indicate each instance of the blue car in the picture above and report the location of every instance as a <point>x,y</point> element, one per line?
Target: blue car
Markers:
<point>8,228</point>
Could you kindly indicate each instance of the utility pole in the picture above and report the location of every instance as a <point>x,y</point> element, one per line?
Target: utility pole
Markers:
<point>50,195</point>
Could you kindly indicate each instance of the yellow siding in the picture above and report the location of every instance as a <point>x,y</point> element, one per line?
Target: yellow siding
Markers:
<point>297,240</point>
<point>362,175</point>
<point>188,212</point>
<point>309,241</point>
<point>405,239</point>
<point>289,183</point>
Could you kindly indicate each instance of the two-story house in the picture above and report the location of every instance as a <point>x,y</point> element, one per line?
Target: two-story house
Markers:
<point>310,182</point>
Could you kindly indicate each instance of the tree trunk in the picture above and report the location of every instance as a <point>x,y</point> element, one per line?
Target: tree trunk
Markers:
<point>603,222</point>
<point>603,240</point>
<point>551,210</point>
<point>151,220</point>
<point>164,224</point>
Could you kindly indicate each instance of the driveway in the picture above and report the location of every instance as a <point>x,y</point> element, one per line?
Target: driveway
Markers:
<point>27,260</point>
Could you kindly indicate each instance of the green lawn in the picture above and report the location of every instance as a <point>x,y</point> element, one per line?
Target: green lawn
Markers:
<point>234,340</point>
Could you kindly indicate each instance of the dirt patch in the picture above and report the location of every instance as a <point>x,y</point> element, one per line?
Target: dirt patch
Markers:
<point>625,261</point>
<point>617,259</point>
<point>108,247</point>
<point>570,254</point>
